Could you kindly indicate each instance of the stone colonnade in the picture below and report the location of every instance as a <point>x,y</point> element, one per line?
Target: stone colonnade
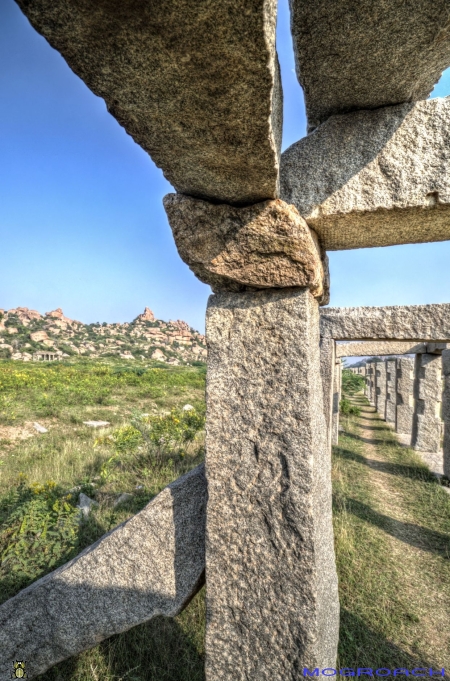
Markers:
<point>410,393</point>
<point>198,87</point>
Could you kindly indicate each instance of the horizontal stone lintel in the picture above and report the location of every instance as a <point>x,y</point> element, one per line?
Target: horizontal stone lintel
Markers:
<point>419,323</point>
<point>383,348</point>
<point>374,178</point>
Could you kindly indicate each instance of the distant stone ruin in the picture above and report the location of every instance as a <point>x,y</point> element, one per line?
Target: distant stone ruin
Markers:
<point>198,86</point>
<point>406,392</point>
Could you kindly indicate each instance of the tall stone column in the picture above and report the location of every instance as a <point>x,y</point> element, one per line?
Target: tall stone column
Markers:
<point>337,392</point>
<point>271,585</point>
<point>428,395</point>
<point>391,395</point>
<point>405,397</point>
<point>446,410</point>
<point>380,386</point>
<point>272,603</point>
<point>327,365</point>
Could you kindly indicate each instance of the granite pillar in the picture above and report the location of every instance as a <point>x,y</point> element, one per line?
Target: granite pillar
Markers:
<point>391,395</point>
<point>272,600</point>
<point>337,391</point>
<point>405,397</point>
<point>327,364</point>
<point>426,432</point>
<point>380,385</point>
<point>446,410</point>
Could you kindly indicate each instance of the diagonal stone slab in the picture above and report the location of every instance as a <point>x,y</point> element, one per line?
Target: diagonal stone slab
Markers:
<point>374,178</point>
<point>153,564</point>
<point>364,54</point>
<point>409,322</point>
<point>196,84</point>
<point>272,602</point>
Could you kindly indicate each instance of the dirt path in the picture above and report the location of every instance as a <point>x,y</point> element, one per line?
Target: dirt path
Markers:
<point>409,540</point>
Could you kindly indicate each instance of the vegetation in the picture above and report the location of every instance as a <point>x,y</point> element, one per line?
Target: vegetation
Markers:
<point>392,540</point>
<point>391,517</point>
<point>351,383</point>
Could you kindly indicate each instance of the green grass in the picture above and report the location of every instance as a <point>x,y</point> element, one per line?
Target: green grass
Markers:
<point>385,610</point>
<point>383,614</point>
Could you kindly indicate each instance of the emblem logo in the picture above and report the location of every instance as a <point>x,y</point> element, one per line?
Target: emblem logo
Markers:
<point>19,670</point>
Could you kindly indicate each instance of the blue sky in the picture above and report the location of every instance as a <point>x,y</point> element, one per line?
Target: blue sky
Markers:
<point>82,225</point>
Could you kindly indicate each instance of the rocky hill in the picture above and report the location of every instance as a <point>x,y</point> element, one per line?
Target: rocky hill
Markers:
<point>28,335</point>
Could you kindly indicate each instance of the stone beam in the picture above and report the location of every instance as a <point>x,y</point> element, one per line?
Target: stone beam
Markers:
<point>374,178</point>
<point>364,55</point>
<point>152,564</point>
<point>379,348</point>
<point>272,601</point>
<point>195,84</point>
<point>410,322</point>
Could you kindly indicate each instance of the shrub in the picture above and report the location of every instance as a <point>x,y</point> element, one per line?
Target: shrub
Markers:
<point>38,531</point>
<point>346,407</point>
<point>351,383</point>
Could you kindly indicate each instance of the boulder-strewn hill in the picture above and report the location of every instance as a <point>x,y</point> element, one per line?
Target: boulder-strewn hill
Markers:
<point>26,335</point>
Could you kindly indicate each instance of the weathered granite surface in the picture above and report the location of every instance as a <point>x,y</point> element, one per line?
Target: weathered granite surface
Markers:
<point>380,388</point>
<point>364,54</point>
<point>272,602</point>
<point>267,245</point>
<point>409,322</point>
<point>327,364</point>
<point>152,564</point>
<point>446,410</point>
<point>370,383</point>
<point>391,391</point>
<point>427,424</point>
<point>196,84</point>
<point>405,396</point>
<point>374,178</point>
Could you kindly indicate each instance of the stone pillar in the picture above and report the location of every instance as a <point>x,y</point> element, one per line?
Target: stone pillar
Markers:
<point>327,364</point>
<point>380,388</point>
<point>391,394</point>
<point>272,601</point>
<point>405,395</point>
<point>337,392</point>
<point>370,383</point>
<point>426,434</point>
<point>446,410</point>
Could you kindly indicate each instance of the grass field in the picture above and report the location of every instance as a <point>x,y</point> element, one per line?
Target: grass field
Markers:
<point>391,517</point>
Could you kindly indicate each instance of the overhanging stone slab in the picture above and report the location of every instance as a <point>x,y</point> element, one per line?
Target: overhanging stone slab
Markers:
<point>368,53</point>
<point>410,322</point>
<point>374,178</point>
<point>152,564</point>
<point>195,84</point>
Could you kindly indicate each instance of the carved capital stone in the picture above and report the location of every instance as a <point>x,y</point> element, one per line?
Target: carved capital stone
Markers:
<point>266,245</point>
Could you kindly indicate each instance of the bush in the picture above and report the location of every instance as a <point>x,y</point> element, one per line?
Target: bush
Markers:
<point>351,383</point>
<point>346,407</point>
<point>38,531</point>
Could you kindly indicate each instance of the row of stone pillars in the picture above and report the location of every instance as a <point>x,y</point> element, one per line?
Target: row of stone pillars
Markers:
<point>413,395</point>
